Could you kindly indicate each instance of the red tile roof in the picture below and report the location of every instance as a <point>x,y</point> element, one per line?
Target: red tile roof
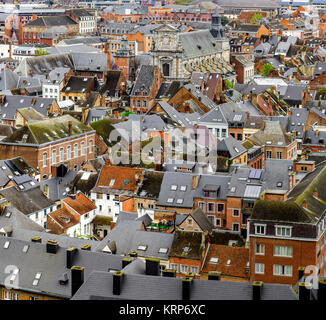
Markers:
<point>81,204</point>
<point>121,178</point>
<point>64,218</point>
<point>239,257</point>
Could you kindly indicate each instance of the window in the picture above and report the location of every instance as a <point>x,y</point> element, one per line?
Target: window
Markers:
<point>280,270</point>
<point>260,229</point>
<point>75,150</point>
<point>282,231</point>
<point>202,205</point>
<point>268,154</point>
<point>235,212</point>
<point>194,269</point>
<point>68,152</point>
<point>218,222</point>
<point>174,187</point>
<point>82,148</point>
<point>220,207</point>
<point>54,156</point>
<point>259,268</point>
<point>44,159</point>
<point>260,249</point>
<point>184,268</point>
<point>174,266</point>
<point>283,251</point>
<point>61,154</point>
<point>211,206</point>
<point>235,226</point>
<point>90,146</point>
<point>213,260</point>
<point>189,222</point>
<point>279,155</point>
<point>211,219</point>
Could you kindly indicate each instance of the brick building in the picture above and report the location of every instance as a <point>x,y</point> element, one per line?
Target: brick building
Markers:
<point>48,143</point>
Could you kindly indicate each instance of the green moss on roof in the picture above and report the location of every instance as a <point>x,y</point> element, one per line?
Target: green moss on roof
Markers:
<point>247,144</point>
<point>279,211</point>
<point>103,128</point>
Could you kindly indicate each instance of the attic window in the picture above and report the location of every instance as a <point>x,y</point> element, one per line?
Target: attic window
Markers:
<point>8,214</point>
<point>174,187</point>
<point>142,248</point>
<point>183,188</point>
<point>17,173</point>
<point>32,183</point>
<point>236,149</point>
<point>111,182</point>
<point>163,250</point>
<point>25,249</point>
<point>280,143</point>
<point>4,168</point>
<point>6,245</point>
<point>169,200</point>
<point>21,187</point>
<point>228,262</point>
<point>179,201</point>
<point>213,260</point>
<point>233,189</point>
<point>279,184</point>
<point>41,105</point>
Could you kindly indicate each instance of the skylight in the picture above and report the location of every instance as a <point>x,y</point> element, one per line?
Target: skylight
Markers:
<point>174,187</point>
<point>179,201</point>
<point>183,188</point>
<point>228,262</point>
<point>111,182</point>
<point>169,200</point>
<point>213,260</point>
<point>163,250</point>
<point>233,189</point>
<point>6,245</point>
<point>25,249</point>
<point>142,248</point>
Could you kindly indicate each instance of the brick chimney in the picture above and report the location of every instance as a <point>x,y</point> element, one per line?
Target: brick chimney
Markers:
<point>69,128</point>
<point>195,180</point>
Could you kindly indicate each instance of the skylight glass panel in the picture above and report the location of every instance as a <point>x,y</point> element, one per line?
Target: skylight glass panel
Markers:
<point>179,201</point>
<point>183,188</point>
<point>169,200</point>
<point>38,275</point>
<point>163,250</point>
<point>213,260</point>
<point>174,187</point>
<point>111,182</point>
<point>25,249</point>
<point>142,248</point>
<point>35,282</point>
<point>228,262</point>
<point>6,245</point>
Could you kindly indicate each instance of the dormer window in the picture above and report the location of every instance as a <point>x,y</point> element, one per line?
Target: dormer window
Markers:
<point>260,229</point>
<point>283,231</point>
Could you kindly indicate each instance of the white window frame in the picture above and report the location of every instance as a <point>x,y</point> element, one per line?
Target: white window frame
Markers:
<point>283,267</point>
<point>277,227</point>
<point>259,268</point>
<point>283,254</point>
<point>260,252</point>
<point>260,225</point>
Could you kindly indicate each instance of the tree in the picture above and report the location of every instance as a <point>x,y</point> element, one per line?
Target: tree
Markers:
<point>41,52</point>
<point>228,84</point>
<point>224,20</point>
<point>256,17</point>
<point>267,68</point>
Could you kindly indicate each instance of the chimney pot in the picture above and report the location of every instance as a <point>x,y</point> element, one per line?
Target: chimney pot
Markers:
<point>169,273</point>
<point>117,281</point>
<point>133,254</point>
<point>256,290</point>
<point>125,262</point>
<point>36,239</point>
<point>70,252</point>
<point>214,275</point>
<point>86,247</point>
<point>77,278</point>
<point>304,291</point>
<point>52,246</point>
<point>152,266</point>
<point>321,289</point>
<point>186,287</point>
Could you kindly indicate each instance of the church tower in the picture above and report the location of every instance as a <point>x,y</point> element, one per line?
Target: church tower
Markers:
<point>125,59</point>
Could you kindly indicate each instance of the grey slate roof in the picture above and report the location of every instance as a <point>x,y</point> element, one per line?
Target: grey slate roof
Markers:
<point>8,80</point>
<point>27,201</point>
<point>51,266</point>
<point>99,287</point>
<point>297,120</point>
<point>144,81</point>
<point>127,235</point>
<point>232,146</point>
<point>213,116</point>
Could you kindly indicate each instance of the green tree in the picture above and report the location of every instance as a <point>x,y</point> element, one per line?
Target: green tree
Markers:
<point>267,69</point>
<point>224,20</point>
<point>256,17</point>
<point>41,52</point>
<point>228,84</point>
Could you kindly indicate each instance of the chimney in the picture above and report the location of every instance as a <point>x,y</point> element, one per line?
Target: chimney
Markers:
<point>195,180</point>
<point>321,289</point>
<point>36,239</point>
<point>300,273</point>
<point>304,291</point>
<point>317,132</point>
<point>133,254</point>
<point>70,252</point>
<point>186,288</point>
<point>86,247</point>
<point>117,281</point>
<point>171,273</point>
<point>305,204</point>
<point>214,275</point>
<point>152,266</point>
<point>256,290</point>
<point>52,246</point>
<point>77,278</point>
<point>315,193</point>
<point>125,262</point>
<point>69,127</point>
